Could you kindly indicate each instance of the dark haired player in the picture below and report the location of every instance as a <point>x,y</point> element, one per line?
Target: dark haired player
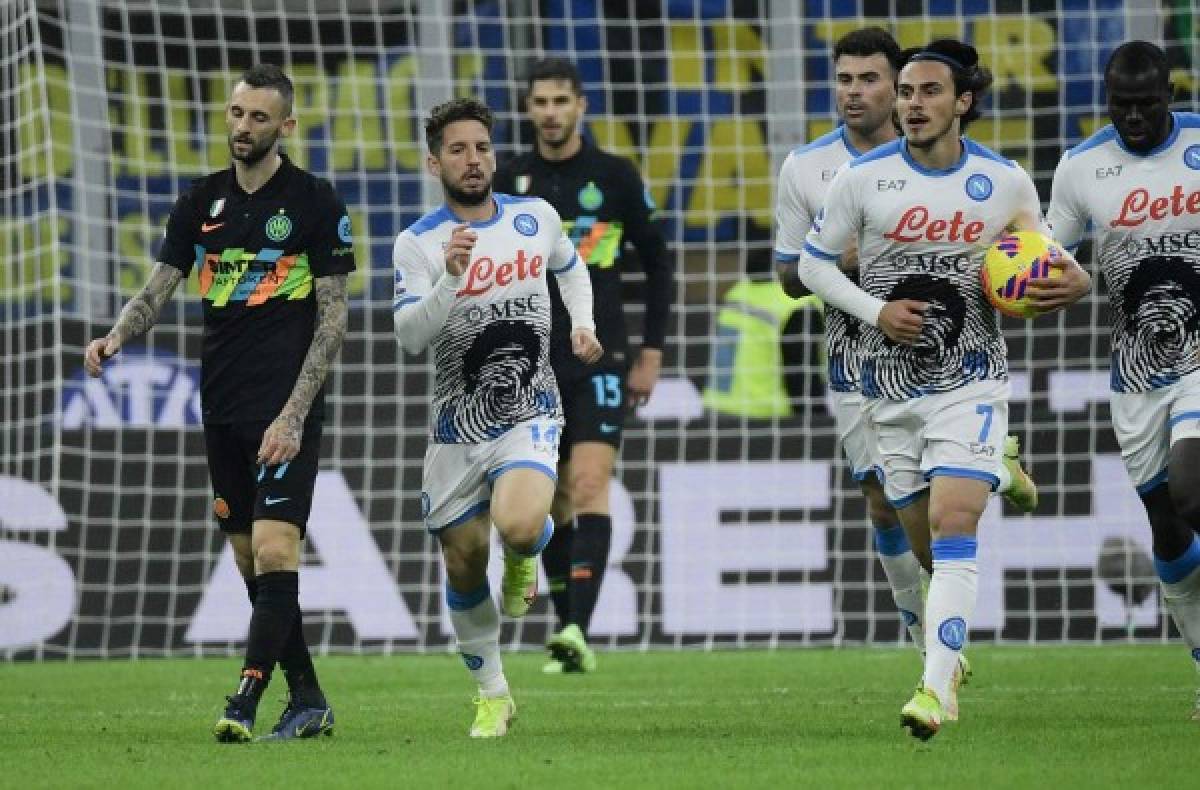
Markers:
<point>470,283</point>
<point>1137,182</point>
<point>604,204</point>
<point>935,370</point>
<point>272,248</point>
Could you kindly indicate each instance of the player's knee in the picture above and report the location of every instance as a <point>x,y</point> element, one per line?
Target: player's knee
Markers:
<point>465,562</point>
<point>948,521</point>
<point>276,555</point>
<point>521,531</point>
<point>589,490</point>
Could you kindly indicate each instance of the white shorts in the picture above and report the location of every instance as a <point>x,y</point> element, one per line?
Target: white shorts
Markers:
<point>951,434</point>
<point>1148,423</point>
<point>855,434</point>
<point>458,478</point>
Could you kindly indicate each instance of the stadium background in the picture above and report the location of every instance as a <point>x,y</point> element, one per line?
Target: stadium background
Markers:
<point>728,530</point>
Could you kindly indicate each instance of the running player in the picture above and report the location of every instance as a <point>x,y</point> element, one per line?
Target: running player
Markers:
<point>604,204</point>
<point>934,369</point>
<point>865,64</point>
<point>470,283</point>
<point>1136,182</point>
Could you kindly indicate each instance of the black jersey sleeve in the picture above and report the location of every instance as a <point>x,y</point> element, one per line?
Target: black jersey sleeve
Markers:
<point>331,248</point>
<point>646,236</point>
<point>179,241</point>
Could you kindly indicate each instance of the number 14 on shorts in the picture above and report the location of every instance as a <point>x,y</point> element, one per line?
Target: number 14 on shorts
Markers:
<point>544,436</point>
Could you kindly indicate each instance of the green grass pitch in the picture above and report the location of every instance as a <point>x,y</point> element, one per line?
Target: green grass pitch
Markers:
<point>1031,717</point>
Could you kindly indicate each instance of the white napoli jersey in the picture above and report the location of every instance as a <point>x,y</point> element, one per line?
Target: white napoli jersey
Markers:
<point>922,234</point>
<point>491,356</point>
<point>803,182</point>
<point>1145,210</point>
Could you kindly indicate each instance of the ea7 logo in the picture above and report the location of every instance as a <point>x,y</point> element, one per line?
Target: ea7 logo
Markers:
<point>890,184</point>
<point>1108,172</point>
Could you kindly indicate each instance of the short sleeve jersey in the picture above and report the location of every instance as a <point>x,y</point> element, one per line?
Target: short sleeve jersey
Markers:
<point>257,256</point>
<point>922,234</point>
<point>803,182</point>
<point>491,356</point>
<point>1145,210</point>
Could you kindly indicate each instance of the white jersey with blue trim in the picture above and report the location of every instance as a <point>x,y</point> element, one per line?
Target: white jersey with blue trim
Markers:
<point>922,234</point>
<point>489,328</point>
<point>1145,211</point>
<point>803,182</point>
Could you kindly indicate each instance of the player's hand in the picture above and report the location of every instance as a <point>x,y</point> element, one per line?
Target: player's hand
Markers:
<point>585,345</point>
<point>902,320</point>
<point>848,260</point>
<point>1054,293</point>
<point>789,280</point>
<point>644,375</point>
<point>281,441</point>
<point>458,249</point>
<point>97,352</point>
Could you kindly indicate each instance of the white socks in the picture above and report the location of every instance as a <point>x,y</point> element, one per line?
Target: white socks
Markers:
<point>949,609</point>
<point>904,574</point>
<point>476,623</point>
<point>1180,579</point>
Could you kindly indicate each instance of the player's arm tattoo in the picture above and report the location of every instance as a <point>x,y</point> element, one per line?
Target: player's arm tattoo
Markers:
<point>140,313</point>
<point>332,318</point>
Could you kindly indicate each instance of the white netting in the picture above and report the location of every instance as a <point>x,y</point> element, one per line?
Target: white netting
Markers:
<point>728,530</point>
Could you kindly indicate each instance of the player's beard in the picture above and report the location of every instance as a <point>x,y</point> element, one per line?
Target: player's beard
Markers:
<point>256,152</point>
<point>870,123</point>
<point>928,142</point>
<point>465,197</point>
<point>558,139</point>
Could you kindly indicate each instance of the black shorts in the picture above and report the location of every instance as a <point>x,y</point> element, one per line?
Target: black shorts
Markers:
<point>245,491</point>
<point>593,408</point>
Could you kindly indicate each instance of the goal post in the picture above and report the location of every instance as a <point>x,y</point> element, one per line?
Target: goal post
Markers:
<point>729,529</point>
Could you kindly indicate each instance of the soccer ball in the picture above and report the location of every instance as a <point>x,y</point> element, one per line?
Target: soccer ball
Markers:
<point>1009,265</point>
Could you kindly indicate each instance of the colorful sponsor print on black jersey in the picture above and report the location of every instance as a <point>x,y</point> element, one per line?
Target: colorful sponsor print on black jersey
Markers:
<point>237,275</point>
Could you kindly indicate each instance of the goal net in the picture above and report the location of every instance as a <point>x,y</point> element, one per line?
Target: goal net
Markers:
<point>732,526</point>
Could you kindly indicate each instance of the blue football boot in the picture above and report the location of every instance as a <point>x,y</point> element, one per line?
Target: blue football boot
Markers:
<point>298,721</point>
<point>237,725</point>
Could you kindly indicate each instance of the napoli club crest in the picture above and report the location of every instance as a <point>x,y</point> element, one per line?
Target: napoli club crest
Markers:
<point>1191,157</point>
<point>526,224</point>
<point>979,187</point>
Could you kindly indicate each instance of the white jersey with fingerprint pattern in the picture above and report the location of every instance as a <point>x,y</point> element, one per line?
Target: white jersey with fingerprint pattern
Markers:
<point>1145,210</point>
<point>803,181</point>
<point>922,234</point>
<point>491,356</point>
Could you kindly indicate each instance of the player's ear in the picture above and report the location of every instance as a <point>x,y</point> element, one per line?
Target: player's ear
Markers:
<point>583,104</point>
<point>432,165</point>
<point>288,127</point>
<point>962,104</point>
